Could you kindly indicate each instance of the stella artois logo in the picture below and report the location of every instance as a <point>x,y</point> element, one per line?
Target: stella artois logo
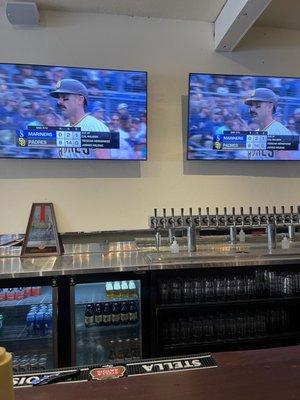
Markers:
<point>112,372</point>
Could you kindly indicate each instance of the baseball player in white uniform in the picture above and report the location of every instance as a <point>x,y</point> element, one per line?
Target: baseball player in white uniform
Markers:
<point>72,97</point>
<point>263,102</point>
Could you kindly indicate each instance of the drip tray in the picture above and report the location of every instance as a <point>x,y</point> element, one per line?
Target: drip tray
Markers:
<point>235,255</point>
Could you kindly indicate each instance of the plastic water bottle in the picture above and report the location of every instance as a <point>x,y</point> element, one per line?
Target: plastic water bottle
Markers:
<point>124,289</point>
<point>131,289</point>
<point>242,236</point>
<point>117,289</point>
<point>109,290</point>
<point>285,243</point>
<point>174,246</point>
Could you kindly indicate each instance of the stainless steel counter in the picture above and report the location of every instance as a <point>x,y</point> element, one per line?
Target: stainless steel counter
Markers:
<point>141,255</point>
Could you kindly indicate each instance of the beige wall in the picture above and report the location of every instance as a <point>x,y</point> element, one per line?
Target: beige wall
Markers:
<point>109,195</point>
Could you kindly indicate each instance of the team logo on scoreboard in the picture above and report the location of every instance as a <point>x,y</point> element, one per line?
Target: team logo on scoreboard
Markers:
<point>22,142</point>
<point>110,372</point>
<point>217,145</point>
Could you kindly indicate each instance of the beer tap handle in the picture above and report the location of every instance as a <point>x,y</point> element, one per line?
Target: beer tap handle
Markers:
<point>181,216</point>
<point>250,217</point>
<point>259,215</point>
<point>164,221</point>
<point>190,220</point>
<point>242,215</point>
<point>274,214</point>
<point>172,219</point>
<point>267,210</point>
<point>199,216</point>
<point>233,216</point>
<point>225,216</point>
<point>217,216</point>
<point>154,220</point>
<point>207,214</point>
<point>267,214</point>
<point>292,214</point>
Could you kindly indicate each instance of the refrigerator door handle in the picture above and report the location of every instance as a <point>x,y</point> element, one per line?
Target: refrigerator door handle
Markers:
<point>54,322</point>
<point>72,320</point>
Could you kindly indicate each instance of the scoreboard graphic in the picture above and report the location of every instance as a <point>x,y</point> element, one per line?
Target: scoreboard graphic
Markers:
<point>254,140</point>
<point>61,137</point>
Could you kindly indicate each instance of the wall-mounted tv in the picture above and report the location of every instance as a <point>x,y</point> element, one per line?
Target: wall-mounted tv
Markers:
<point>239,117</point>
<point>58,112</point>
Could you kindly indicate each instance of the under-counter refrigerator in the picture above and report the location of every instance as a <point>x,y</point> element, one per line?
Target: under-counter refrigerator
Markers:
<point>28,326</point>
<point>106,321</point>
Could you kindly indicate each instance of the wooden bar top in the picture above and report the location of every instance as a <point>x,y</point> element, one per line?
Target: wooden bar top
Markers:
<point>241,375</point>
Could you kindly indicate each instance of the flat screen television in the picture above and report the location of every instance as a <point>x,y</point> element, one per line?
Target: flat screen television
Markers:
<point>238,117</point>
<point>58,112</point>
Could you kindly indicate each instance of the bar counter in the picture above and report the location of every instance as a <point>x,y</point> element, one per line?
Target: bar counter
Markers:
<point>137,255</point>
<point>242,375</point>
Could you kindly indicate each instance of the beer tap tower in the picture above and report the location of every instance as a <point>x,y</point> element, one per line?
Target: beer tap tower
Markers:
<point>226,220</point>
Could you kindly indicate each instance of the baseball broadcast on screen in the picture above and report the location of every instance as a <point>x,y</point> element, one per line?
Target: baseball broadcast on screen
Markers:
<point>57,112</point>
<point>239,117</point>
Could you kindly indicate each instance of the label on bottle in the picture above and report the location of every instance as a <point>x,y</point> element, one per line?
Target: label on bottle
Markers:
<point>89,320</point>
<point>106,319</point>
<point>124,318</point>
<point>98,318</point>
<point>115,318</point>
<point>133,316</point>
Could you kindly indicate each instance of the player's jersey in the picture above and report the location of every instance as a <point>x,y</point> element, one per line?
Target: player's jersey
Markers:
<point>87,123</point>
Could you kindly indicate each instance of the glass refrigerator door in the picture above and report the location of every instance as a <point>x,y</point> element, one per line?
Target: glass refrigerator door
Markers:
<point>107,322</point>
<point>26,327</point>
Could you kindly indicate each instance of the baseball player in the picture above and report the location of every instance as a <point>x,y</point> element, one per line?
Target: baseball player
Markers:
<point>72,97</point>
<point>262,103</point>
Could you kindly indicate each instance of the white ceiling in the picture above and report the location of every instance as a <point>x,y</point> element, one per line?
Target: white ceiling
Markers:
<point>280,13</point>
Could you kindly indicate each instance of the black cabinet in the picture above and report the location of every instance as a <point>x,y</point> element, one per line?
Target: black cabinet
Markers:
<point>212,309</point>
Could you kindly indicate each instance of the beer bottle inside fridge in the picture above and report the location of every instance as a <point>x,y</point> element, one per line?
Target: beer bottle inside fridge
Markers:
<point>131,289</point>
<point>133,312</point>
<point>124,290</point>
<point>124,312</point>
<point>115,314</point>
<point>117,290</point>
<point>109,290</point>
<point>98,314</point>
<point>89,315</point>
<point>106,314</point>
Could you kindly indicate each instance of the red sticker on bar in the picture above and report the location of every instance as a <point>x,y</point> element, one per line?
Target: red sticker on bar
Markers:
<point>108,372</point>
